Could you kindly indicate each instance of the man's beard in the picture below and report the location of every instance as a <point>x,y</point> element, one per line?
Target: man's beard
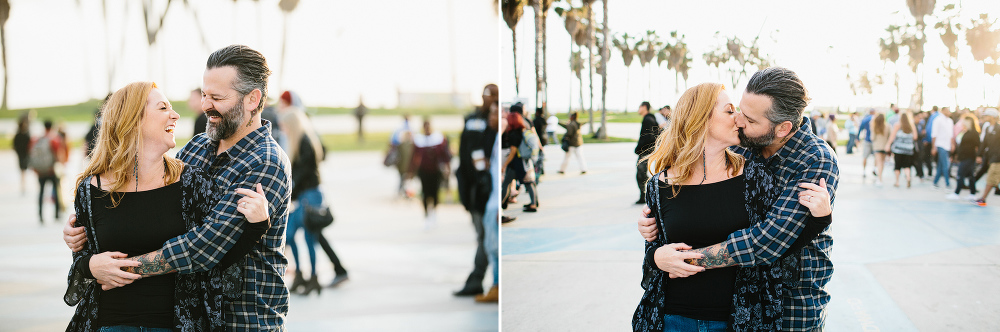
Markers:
<point>759,141</point>
<point>228,124</point>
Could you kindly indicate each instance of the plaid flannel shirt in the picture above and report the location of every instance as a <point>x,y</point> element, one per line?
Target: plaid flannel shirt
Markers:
<point>254,159</point>
<point>804,158</point>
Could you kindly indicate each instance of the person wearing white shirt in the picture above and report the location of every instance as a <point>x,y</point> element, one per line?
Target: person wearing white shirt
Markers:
<point>941,141</point>
<point>550,129</point>
<point>663,117</point>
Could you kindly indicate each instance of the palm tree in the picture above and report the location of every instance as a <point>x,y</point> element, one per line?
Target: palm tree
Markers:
<point>512,11</point>
<point>541,8</point>
<point>578,36</point>
<point>984,41</point>
<point>890,52</point>
<point>4,15</point>
<point>919,9</point>
<point>678,59</point>
<point>153,24</point>
<point>588,5</point>
<point>650,44</point>
<point>605,53</point>
<point>287,6</point>
<point>951,69</point>
<point>628,54</point>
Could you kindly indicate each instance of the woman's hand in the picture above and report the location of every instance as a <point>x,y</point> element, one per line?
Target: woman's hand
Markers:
<point>107,269</point>
<point>816,198</point>
<point>253,205</point>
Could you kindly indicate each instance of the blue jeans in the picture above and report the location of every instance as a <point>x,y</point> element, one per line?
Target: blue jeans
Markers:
<point>942,167</point>
<point>310,197</point>
<point>491,232</point>
<point>851,140</point>
<point>126,328</point>
<point>675,323</point>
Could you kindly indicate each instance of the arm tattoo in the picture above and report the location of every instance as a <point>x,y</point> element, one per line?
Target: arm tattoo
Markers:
<point>150,264</point>
<point>716,256</point>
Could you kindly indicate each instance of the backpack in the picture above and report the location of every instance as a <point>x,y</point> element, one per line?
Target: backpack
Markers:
<point>41,158</point>
<point>530,145</point>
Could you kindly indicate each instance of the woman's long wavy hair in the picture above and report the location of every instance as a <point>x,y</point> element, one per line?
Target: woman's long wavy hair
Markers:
<point>683,143</point>
<point>119,140</point>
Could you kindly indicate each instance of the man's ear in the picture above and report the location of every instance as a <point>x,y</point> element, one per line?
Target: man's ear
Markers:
<point>251,100</point>
<point>783,129</point>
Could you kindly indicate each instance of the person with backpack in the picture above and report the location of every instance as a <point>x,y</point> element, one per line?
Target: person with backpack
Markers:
<point>430,162</point>
<point>45,152</point>
<point>518,164</point>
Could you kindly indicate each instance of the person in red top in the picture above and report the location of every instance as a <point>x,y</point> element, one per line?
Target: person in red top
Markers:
<point>431,160</point>
<point>46,171</point>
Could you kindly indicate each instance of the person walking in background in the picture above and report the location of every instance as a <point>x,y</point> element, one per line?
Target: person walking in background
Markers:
<point>200,120</point>
<point>880,141</point>
<point>474,181</point>
<point>901,143</point>
<point>989,124</point>
<point>927,143</point>
<point>920,126</point>
<point>305,151</point>
<point>401,151</point>
<point>550,128</point>
<point>359,113</point>
<point>648,133</point>
<point>518,165</point>
<point>966,153</point>
<point>866,141</point>
<point>491,226</point>
<point>990,153</point>
<point>540,127</point>
<point>431,159</point>
<point>851,127</point>
<point>663,117</point>
<point>831,132</point>
<point>22,142</point>
<point>941,145</point>
<point>46,154</point>
<point>91,138</point>
<point>573,143</point>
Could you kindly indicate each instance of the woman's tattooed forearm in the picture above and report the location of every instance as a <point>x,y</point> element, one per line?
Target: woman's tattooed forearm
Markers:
<point>716,256</point>
<point>150,264</point>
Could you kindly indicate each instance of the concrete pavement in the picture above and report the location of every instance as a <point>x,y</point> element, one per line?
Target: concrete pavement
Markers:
<point>905,259</point>
<point>401,275</point>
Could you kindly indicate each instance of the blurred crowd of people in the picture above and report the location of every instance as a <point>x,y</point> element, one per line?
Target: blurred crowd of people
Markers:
<point>939,146</point>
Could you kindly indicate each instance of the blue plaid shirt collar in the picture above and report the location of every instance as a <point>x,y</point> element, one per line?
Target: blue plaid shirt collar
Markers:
<point>259,134</point>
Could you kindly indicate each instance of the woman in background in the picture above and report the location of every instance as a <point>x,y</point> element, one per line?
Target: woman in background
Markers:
<point>901,143</point>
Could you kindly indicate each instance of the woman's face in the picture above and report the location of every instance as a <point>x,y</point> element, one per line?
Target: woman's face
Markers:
<point>722,126</point>
<point>158,122</point>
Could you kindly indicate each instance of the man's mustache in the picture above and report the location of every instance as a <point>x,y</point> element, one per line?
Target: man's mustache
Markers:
<point>213,113</point>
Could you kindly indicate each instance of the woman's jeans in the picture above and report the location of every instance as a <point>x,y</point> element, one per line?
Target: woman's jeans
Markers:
<point>675,323</point>
<point>125,328</point>
<point>851,140</point>
<point>491,231</point>
<point>966,168</point>
<point>310,197</point>
<point>942,167</point>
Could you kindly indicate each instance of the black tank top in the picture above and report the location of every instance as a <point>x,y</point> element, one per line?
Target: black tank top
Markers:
<point>140,224</point>
<point>701,216</point>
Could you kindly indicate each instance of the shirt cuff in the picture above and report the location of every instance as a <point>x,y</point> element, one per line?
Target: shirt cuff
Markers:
<point>175,252</point>
<point>83,267</point>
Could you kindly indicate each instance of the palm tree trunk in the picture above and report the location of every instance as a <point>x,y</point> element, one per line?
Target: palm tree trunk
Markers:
<point>545,74</point>
<point>539,80</point>
<point>590,74</point>
<point>284,42</point>
<point>517,82</point>
<point>605,53</point>
<point>3,61</point>
<point>628,80</point>
<point>569,106</point>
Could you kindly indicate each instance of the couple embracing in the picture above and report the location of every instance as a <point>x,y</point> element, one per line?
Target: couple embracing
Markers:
<point>737,213</point>
<point>186,243</point>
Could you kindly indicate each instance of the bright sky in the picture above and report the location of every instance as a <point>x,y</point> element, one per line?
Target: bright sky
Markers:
<point>336,50</point>
<point>802,31</point>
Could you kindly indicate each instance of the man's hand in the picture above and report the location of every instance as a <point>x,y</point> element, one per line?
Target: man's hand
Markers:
<point>647,225</point>
<point>670,259</point>
<point>107,269</point>
<point>75,237</point>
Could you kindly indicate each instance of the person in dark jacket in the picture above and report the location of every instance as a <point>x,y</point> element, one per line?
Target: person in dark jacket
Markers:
<point>540,126</point>
<point>648,133</point>
<point>575,143</point>
<point>474,180</point>
<point>21,142</point>
<point>989,152</point>
<point>966,153</point>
